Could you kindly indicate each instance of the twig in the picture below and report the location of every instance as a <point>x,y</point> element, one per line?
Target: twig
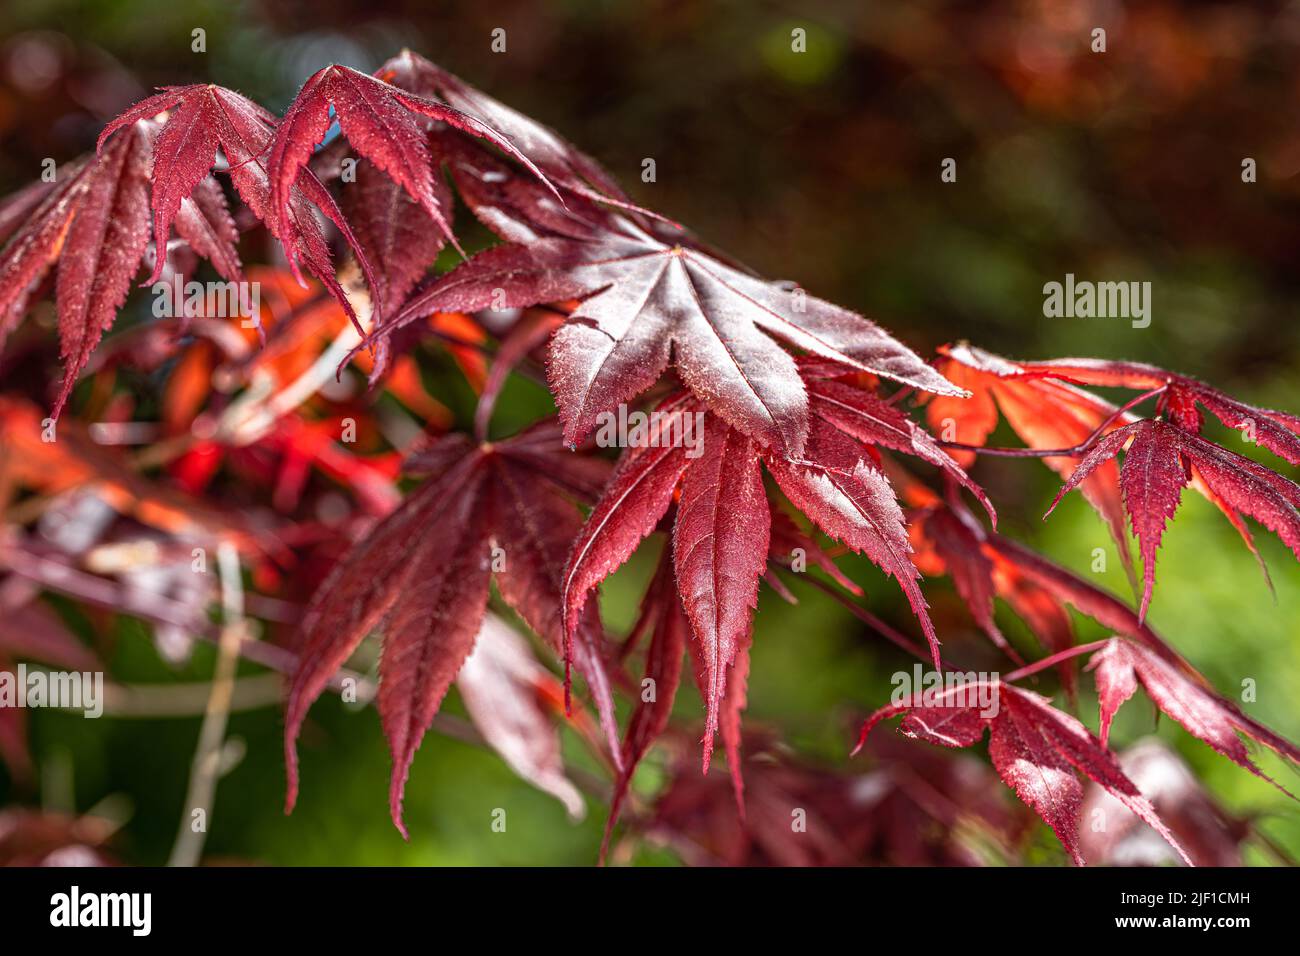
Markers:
<point>206,767</point>
<point>1073,452</point>
<point>1056,658</point>
<point>885,630</point>
<point>157,609</point>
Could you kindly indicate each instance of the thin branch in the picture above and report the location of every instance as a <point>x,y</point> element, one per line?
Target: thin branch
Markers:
<point>1056,658</point>
<point>1079,449</point>
<point>885,630</point>
<point>206,768</point>
<point>188,699</point>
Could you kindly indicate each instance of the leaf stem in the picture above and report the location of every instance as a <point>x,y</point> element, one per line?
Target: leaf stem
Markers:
<point>1079,449</point>
<point>1056,658</point>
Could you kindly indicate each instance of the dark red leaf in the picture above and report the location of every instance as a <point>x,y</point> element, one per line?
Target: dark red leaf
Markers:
<point>1157,465</point>
<point>204,118</point>
<point>500,684</point>
<point>492,512</point>
<point>1036,749</point>
<point>720,544</point>
<point>384,123</point>
<point>644,300</point>
<point>1121,665</point>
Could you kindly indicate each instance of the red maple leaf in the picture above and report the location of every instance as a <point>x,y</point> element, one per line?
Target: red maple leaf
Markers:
<point>385,123</point>
<point>644,301</point>
<point>421,576</point>
<point>1121,665</point>
<point>1037,750</point>
<point>95,223</point>
<point>203,118</point>
<point>1158,462</point>
<point>722,527</point>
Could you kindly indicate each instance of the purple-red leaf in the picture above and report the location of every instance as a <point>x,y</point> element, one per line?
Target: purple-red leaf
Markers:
<point>1120,666</point>
<point>203,118</point>
<point>384,123</point>
<point>720,544</point>
<point>1161,458</point>
<point>421,577</point>
<point>499,685</point>
<point>1037,750</point>
<point>644,301</point>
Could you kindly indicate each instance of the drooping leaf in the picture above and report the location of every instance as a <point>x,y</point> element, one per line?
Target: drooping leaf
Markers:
<point>720,544</point>
<point>202,119</point>
<point>722,530</point>
<point>1159,460</point>
<point>1037,750</point>
<point>95,223</point>
<point>421,576</point>
<point>500,684</point>
<point>1121,665</point>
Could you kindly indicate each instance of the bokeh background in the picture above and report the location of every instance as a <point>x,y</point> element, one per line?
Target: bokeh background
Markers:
<point>822,166</point>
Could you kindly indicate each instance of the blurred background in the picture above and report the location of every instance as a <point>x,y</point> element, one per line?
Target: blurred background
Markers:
<point>821,166</point>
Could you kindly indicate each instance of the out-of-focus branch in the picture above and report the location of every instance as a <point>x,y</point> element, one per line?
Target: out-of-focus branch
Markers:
<point>207,765</point>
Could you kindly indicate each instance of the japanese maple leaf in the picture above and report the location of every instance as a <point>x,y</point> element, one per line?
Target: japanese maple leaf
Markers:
<point>396,233</point>
<point>720,536</point>
<point>1037,750</point>
<point>662,616</point>
<point>503,687</point>
<point>204,118</point>
<point>645,301</point>
<point>1041,403</point>
<point>1211,834</point>
<point>1121,665</point>
<point>384,123</point>
<point>421,576</point>
<point>722,526</point>
<point>1044,413</point>
<point>1182,397</point>
<point>95,222</point>
<point>561,161</point>
<point>1157,464</point>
